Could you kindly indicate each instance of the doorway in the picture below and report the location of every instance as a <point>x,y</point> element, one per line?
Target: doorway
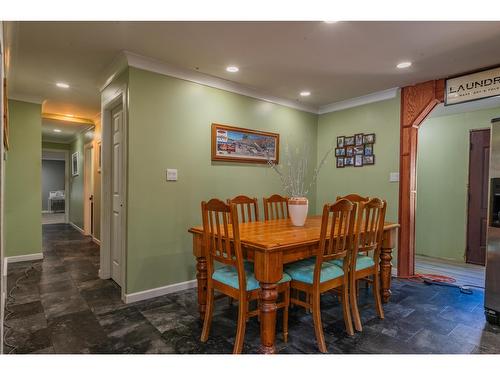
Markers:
<point>452,191</point>
<point>55,172</point>
<point>479,160</point>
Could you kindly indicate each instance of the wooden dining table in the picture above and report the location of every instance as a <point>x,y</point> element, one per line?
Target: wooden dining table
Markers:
<point>272,244</point>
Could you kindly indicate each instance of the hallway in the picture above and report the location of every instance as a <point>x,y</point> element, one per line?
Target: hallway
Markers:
<point>63,307</point>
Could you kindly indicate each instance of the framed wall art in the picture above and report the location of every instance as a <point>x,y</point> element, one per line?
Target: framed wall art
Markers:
<point>241,145</point>
<point>99,156</point>
<point>355,150</point>
<point>75,171</point>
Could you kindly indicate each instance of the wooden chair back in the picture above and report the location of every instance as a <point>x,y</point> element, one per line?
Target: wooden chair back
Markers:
<point>355,198</point>
<point>337,234</point>
<point>222,238</point>
<point>244,207</point>
<point>275,207</point>
<point>370,227</point>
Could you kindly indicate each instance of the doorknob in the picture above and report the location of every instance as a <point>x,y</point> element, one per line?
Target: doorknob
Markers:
<point>91,198</point>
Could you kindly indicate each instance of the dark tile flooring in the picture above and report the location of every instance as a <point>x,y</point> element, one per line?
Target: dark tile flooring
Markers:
<point>63,307</point>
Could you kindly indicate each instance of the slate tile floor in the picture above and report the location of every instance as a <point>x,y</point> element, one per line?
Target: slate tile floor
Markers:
<point>63,307</point>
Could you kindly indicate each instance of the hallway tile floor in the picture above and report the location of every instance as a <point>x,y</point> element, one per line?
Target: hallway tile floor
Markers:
<point>63,307</point>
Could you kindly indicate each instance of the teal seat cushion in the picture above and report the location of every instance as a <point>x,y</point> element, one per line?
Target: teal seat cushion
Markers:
<point>362,262</point>
<point>229,275</point>
<point>303,271</point>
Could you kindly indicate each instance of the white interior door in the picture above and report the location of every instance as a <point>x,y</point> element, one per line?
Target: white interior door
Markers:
<point>117,194</point>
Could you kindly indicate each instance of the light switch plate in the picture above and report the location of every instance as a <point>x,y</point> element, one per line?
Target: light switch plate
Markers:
<point>171,174</point>
<point>394,177</point>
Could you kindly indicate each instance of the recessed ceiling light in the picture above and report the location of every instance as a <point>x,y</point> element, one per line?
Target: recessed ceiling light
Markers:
<point>57,130</point>
<point>404,64</point>
<point>305,93</point>
<point>330,21</point>
<point>62,85</point>
<point>232,69</point>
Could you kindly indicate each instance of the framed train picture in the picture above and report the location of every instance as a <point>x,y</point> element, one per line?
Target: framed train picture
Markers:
<point>233,144</point>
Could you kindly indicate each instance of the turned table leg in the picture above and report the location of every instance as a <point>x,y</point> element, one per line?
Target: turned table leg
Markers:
<point>201,276</point>
<point>385,263</point>
<point>267,305</point>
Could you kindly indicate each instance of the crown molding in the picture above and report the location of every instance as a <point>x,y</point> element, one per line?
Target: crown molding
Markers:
<point>360,100</point>
<point>117,66</point>
<point>129,59</point>
<point>34,99</point>
<point>160,67</point>
<point>64,118</point>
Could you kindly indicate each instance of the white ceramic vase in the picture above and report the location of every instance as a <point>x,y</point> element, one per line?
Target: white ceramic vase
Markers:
<point>297,209</point>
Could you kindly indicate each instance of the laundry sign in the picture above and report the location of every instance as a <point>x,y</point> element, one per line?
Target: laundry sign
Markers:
<point>473,86</point>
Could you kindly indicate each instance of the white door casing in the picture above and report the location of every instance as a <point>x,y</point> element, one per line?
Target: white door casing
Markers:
<point>88,187</point>
<point>112,98</point>
<point>116,193</point>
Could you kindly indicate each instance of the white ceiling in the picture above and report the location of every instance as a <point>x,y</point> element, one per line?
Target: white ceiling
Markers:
<point>334,61</point>
<point>69,130</point>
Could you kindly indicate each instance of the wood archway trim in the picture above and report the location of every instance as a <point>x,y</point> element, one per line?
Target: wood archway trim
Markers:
<point>416,103</point>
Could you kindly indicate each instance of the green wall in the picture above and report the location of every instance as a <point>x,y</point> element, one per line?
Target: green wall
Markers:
<point>23,226</point>
<point>169,127</point>
<point>76,182</point>
<point>381,118</point>
<point>56,146</point>
<point>442,178</point>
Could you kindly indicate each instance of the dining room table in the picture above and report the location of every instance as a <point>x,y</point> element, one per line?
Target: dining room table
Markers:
<point>272,244</point>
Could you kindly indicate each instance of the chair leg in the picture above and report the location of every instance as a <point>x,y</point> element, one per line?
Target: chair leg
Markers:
<point>208,315</point>
<point>376,293</point>
<point>346,311</point>
<point>318,327</point>
<point>285,314</point>
<point>242,321</point>
<point>354,304</point>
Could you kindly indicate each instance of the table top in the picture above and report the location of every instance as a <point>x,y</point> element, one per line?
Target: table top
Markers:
<point>280,234</point>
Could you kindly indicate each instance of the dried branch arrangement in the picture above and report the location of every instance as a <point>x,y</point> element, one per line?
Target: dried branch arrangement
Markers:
<point>293,173</point>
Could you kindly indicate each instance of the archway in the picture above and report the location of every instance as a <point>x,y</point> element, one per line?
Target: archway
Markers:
<point>416,103</point>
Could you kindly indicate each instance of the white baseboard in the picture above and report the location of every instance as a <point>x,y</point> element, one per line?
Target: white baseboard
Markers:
<point>77,228</point>
<point>98,242</point>
<point>23,258</point>
<point>46,212</point>
<point>162,290</point>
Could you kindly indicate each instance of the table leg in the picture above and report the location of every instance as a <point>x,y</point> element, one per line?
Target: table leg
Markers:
<point>201,276</point>
<point>267,305</point>
<point>385,263</point>
<point>385,270</point>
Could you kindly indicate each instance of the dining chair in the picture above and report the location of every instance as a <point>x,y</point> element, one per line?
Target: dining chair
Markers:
<point>245,206</point>
<point>368,239</point>
<point>275,207</point>
<point>319,274</point>
<point>354,198</point>
<point>233,277</point>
